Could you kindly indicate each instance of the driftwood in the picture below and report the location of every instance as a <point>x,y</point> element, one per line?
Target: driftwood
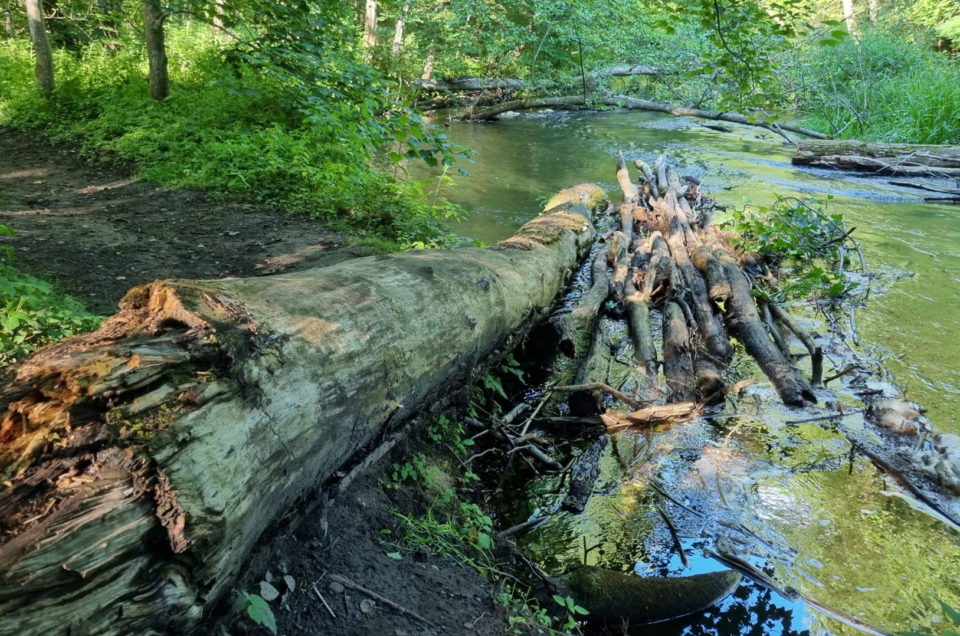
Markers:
<point>119,517</point>
<point>887,159</point>
<point>583,475</point>
<point>630,103</point>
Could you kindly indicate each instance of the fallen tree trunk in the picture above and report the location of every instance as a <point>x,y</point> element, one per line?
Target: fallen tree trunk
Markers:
<point>888,159</point>
<point>468,84</point>
<point>142,461</point>
<point>630,103</point>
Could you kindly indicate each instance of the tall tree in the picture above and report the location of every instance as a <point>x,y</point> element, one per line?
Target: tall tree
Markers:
<point>156,49</point>
<point>849,16</point>
<point>218,16</point>
<point>370,24</point>
<point>41,46</point>
<point>398,30</point>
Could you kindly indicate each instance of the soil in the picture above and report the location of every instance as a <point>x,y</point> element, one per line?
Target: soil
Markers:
<point>97,231</point>
<point>352,538</point>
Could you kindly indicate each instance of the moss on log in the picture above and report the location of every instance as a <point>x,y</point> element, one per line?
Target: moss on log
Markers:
<point>142,461</point>
<point>617,596</point>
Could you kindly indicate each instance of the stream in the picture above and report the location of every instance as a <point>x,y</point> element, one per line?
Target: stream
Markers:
<point>789,498</point>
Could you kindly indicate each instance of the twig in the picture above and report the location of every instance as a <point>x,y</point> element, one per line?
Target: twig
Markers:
<point>850,368</point>
<point>673,533</point>
<point>324,601</point>
<point>823,418</point>
<point>664,494</point>
<point>344,581</point>
<point>606,388</point>
<point>523,527</point>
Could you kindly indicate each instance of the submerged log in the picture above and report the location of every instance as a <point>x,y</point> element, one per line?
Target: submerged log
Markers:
<point>120,517</point>
<point>610,595</point>
<point>887,159</point>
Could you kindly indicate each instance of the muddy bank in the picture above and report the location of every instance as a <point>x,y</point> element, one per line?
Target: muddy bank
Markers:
<point>97,231</point>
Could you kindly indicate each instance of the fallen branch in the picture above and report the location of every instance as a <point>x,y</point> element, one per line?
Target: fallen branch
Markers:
<point>630,103</point>
<point>345,582</point>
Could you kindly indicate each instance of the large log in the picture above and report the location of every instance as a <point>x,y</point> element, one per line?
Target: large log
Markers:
<point>468,84</point>
<point>888,159</point>
<point>141,462</point>
<point>630,103</point>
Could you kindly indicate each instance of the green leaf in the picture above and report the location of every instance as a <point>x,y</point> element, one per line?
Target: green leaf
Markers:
<point>395,555</point>
<point>951,613</point>
<point>260,613</point>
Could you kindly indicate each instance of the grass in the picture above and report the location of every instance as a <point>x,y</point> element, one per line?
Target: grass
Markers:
<point>884,88</point>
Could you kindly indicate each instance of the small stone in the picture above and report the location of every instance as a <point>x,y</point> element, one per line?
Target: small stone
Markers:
<point>367,606</point>
<point>336,588</point>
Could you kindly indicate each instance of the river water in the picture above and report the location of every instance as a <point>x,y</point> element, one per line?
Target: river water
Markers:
<point>789,498</point>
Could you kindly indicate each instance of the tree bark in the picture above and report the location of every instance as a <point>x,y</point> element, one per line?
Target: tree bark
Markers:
<point>370,24</point>
<point>8,22</point>
<point>156,49</point>
<point>43,68</point>
<point>849,17</point>
<point>218,9</point>
<point>881,158</point>
<point>398,31</point>
<point>630,103</point>
<point>142,461</point>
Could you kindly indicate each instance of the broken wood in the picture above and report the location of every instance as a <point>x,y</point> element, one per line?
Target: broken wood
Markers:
<point>288,377</point>
<point>673,411</point>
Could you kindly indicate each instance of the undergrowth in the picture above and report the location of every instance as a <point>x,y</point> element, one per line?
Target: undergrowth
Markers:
<point>881,88</point>
<point>34,312</point>
<point>240,131</point>
<point>455,526</point>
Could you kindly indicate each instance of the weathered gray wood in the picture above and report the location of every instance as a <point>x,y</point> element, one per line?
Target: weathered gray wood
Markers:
<point>630,103</point>
<point>881,158</point>
<point>117,524</point>
<point>468,84</point>
<point>677,361</point>
<point>743,321</point>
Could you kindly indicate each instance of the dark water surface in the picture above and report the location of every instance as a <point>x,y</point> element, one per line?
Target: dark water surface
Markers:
<point>786,497</point>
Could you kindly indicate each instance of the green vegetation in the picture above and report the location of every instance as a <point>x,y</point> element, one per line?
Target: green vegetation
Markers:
<point>800,239</point>
<point>33,312</point>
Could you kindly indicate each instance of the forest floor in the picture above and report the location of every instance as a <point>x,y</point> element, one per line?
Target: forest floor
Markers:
<point>97,231</point>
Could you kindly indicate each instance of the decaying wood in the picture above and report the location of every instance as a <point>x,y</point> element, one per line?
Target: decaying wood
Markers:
<point>574,328</point>
<point>117,524</point>
<point>672,411</point>
<point>744,322</point>
<point>677,361</point>
<point>881,158</point>
<point>630,103</point>
<point>583,475</point>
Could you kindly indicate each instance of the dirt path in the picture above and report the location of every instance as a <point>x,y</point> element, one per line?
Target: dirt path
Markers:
<point>98,231</point>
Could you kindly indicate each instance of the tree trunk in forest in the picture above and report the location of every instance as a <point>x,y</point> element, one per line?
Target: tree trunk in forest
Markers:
<point>398,31</point>
<point>888,159</point>
<point>849,17</point>
<point>218,7</point>
<point>873,11</point>
<point>370,24</point>
<point>630,103</point>
<point>156,49</point>
<point>142,461</point>
<point>41,47</point>
<point>8,22</point>
<point>427,67</point>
